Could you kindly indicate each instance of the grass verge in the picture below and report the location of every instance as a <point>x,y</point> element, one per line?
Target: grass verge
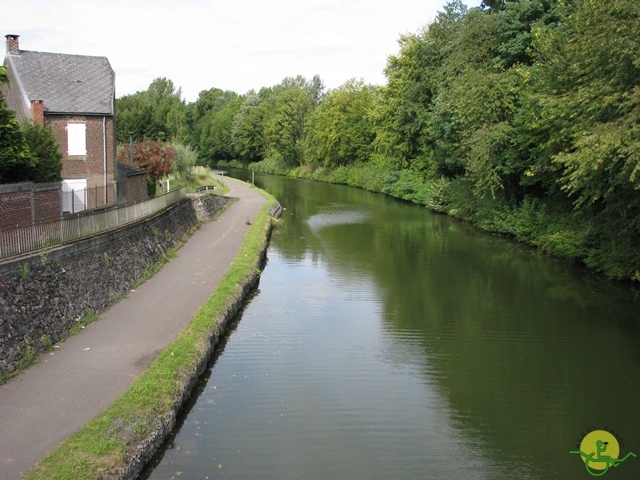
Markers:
<point>201,177</point>
<point>108,446</point>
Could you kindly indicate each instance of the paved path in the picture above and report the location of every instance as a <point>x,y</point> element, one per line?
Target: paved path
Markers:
<point>45,404</point>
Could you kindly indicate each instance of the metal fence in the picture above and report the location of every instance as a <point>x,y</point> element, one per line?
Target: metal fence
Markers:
<point>29,238</point>
<point>76,200</point>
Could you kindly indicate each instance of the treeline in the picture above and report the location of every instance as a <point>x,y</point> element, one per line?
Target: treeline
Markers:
<point>521,116</point>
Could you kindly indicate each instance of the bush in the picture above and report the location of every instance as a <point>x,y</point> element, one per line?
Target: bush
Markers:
<point>45,151</point>
<point>437,194</point>
<point>406,185</point>
<point>273,164</point>
<point>184,162</point>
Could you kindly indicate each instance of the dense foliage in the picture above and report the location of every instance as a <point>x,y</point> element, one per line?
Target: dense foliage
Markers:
<point>157,113</point>
<point>154,156</point>
<point>29,152</point>
<point>521,116</point>
<point>45,152</point>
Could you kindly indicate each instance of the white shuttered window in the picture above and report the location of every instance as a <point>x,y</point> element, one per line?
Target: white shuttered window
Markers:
<point>77,138</point>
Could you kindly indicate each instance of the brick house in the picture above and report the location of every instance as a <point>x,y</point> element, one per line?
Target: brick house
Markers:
<point>75,96</point>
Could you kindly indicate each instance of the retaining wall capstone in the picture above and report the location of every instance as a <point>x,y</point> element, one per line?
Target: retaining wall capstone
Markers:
<point>43,296</point>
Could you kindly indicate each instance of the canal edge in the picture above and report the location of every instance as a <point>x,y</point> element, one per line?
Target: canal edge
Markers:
<point>140,436</point>
<point>164,426</point>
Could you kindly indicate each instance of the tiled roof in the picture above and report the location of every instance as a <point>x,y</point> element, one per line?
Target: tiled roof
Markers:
<point>67,83</point>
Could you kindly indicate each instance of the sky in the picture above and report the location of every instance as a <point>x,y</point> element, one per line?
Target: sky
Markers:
<point>236,45</point>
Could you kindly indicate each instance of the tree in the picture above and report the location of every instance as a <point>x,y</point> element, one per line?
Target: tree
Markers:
<point>496,5</point>
<point>155,157</point>
<point>215,139</point>
<point>183,163</point>
<point>158,113</point>
<point>341,130</point>
<point>517,22</point>
<point>45,151</point>
<point>204,117</point>
<point>247,131</point>
<point>169,108</point>
<point>406,100</point>
<point>412,134</point>
<point>135,116</point>
<point>314,88</point>
<point>285,126</point>
<point>15,158</point>
<point>588,80</point>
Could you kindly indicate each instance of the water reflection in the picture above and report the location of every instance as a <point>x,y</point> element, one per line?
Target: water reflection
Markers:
<point>387,342</point>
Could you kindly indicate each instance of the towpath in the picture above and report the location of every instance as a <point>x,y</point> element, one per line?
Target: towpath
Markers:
<point>48,402</point>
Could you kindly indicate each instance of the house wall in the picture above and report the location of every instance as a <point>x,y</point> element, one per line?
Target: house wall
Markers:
<point>91,165</point>
<point>15,208</point>
<point>26,203</point>
<point>47,202</point>
<point>131,188</point>
<point>132,184</point>
<point>137,188</point>
<point>15,99</point>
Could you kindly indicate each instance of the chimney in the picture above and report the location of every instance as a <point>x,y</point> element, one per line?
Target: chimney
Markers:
<point>13,44</point>
<point>37,112</point>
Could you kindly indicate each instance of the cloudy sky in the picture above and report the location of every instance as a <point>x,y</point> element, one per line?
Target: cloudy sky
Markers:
<point>233,45</point>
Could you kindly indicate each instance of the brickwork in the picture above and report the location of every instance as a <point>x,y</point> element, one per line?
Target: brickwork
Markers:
<point>13,43</point>
<point>25,203</point>
<point>47,203</point>
<point>15,209</point>
<point>37,112</point>
<point>100,133</point>
<point>91,165</point>
<point>137,188</point>
<point>132,184</point>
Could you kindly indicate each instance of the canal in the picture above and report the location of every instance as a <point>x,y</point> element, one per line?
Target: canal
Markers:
<point>387,342</point>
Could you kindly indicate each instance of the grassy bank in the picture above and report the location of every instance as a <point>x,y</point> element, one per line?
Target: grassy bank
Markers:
<point>122,438</point>
<point>198,177</point>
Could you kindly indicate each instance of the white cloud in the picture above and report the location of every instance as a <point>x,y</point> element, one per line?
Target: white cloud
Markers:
<point>234,45</point>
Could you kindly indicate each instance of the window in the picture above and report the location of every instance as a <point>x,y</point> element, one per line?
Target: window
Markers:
<point>77,138</point>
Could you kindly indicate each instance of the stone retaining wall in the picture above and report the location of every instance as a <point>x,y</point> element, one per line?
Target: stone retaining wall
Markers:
<point>43,296</point>
<point>207,206</point>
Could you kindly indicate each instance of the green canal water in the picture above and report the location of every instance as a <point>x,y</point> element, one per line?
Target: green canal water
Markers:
<point>387,342</point>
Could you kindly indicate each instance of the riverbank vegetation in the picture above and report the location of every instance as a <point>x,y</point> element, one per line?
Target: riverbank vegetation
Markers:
<point>518,116</point>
